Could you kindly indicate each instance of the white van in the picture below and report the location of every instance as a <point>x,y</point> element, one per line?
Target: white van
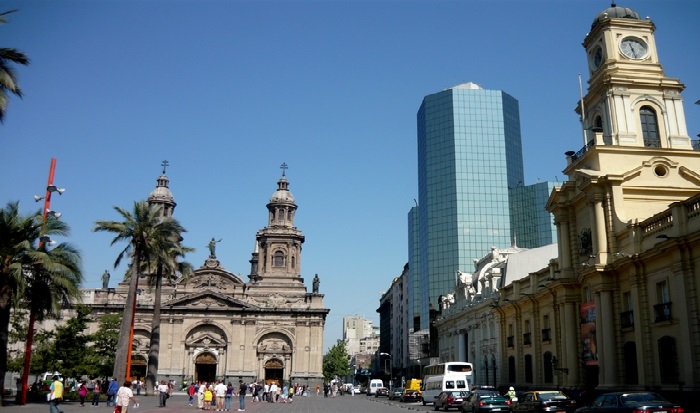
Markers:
<point>374,384</point>
<point>434,385</point>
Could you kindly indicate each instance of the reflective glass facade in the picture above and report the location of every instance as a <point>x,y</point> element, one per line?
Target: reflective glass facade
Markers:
<point>469,154</point>
<point>533,226</point>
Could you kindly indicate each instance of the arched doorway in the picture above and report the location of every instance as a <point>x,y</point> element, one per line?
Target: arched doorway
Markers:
<point>205,367</point>
<point>274,371</point>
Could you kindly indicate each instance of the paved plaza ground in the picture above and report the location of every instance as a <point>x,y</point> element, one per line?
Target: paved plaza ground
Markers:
<point>178,404</point>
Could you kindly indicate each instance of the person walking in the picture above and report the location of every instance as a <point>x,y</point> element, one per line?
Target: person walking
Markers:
<point>124,396</point>
<point>228,403</point>
<point>191,392</point>
<point>208,397</point>
<point>200,394</point>
<point>242,388</point>
<point>220,390</point>
<point>96,393</point>
<point>55,396</point>
<point>112,392</point>
<point>163,393</point>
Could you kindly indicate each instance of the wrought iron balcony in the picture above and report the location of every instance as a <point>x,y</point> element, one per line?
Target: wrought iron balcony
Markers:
<point>662,312</point>
<point>627,319</point>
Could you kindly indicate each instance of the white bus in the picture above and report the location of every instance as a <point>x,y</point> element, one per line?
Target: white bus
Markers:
<point>434,385</point>
<point>451,367</point>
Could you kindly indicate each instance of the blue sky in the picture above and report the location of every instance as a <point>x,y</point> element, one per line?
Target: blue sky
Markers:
<point>226,91</point>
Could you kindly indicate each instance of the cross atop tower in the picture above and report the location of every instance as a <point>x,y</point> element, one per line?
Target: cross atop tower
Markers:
<point>284,168</point>
<point>164,164</point>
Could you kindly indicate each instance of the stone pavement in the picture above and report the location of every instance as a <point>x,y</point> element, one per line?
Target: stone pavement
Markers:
<point>178,404</point>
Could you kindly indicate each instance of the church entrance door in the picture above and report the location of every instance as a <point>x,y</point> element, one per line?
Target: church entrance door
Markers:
<point>274,372</point>
<point>205,367</point>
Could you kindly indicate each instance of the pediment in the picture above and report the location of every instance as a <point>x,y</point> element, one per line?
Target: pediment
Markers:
<point>205,340</point>
<point>212,276</point>
<point>208,299</point>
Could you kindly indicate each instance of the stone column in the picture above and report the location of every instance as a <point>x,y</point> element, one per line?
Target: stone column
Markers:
<point>600,245</point>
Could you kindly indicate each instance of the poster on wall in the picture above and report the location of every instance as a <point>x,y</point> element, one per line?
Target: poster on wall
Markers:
<point>589,355</point>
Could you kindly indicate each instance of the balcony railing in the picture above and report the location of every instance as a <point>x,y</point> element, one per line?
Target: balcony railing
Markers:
<point>527,339</point>
<point>546,334</point>
<point>652,143</point>
<point>662,312</point>
<point>627,319</point>
<point>511,342</point>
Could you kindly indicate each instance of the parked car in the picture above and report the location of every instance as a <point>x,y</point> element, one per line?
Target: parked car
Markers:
<point>448,399</point>
<point>411,396</point>
<point>628,402</point>
<point>396,393</point>
<point>544,401</point>
<point>480,401</point>
<point>381,391</point>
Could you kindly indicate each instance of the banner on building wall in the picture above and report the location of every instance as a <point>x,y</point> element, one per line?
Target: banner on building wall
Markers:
<point>589,355</point>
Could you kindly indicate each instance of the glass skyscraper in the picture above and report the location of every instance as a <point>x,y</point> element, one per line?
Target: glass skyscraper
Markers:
<point>469,155</point>
<point>533,226</point>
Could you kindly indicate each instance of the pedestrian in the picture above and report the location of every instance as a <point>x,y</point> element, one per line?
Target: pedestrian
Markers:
<point>512,394</point>
<point>208,397</point>
<point>200,394</point>
<point>163,393</point>
<point>96,393</point>
<point>112,392</point>
<point>291,394</point>
<point>228,403</point>
<point>242,388</point>
<point>55,396</point>
<point>191,391</point>
<point>82,392</point>
<point>273,392</point>
<point>220,390</point>
<point>266,393</point>
<point>318,389</point>
<point>124,396</point>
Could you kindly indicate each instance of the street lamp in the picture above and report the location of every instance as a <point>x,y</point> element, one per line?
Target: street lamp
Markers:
<point>391,370</point>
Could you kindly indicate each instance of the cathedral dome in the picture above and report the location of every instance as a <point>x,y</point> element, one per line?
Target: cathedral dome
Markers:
<point>616,12</point>
<point>161,191</point>
<point>282,194</point>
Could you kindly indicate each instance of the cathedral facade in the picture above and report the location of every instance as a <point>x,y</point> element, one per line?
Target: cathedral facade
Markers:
<point>215,325</point>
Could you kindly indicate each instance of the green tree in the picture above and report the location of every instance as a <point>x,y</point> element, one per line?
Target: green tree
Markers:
<point>146,232</point>
<point>335,362</point>
<point>104,341</point>
<point>70,344</point>
<point>8,77</point>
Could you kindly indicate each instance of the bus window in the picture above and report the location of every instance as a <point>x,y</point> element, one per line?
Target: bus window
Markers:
<point>449,384</point>
<point>461,384</point>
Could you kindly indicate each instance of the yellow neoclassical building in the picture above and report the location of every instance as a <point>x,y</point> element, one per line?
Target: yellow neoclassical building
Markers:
<point>617,306</point>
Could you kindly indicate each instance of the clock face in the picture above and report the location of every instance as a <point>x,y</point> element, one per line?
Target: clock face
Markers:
<point>598,57</point>
<point>633,48</point>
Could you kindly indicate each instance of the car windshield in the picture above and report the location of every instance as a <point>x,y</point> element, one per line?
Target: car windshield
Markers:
<point>635,399</point>
<point>489,394</point>
<point>551,395</point>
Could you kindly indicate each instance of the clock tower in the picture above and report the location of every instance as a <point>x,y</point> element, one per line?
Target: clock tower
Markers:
<point>630,100</point>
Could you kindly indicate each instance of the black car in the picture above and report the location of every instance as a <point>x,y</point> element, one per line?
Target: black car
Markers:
<point>381,391</point>
<point>628,402</point>
<point>480,401</point>
<point>396,393</point>
<point>544,401</point>
<point>448,399</point>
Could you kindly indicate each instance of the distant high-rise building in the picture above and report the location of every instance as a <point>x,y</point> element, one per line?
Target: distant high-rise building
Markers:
<point>355,328</point>
<point>469,155</point>
<point>531,223</point>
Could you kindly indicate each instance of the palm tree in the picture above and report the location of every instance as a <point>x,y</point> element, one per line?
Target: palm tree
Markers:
<point>146,232</point>
<point>168,266</point>
<point>15,231</point>
<point>8,77</point>
<point>30,274</point>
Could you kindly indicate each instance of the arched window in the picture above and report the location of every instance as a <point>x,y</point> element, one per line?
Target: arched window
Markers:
<point>511,369</point>
<point>668,360</point>
<point>650,127</point>
<point>548,370</point>
<point>278,259</point>
<point>294,262</point>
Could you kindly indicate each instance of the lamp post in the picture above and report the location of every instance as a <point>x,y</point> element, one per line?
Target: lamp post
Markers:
<point>43,240</point>
<point>391,370</point>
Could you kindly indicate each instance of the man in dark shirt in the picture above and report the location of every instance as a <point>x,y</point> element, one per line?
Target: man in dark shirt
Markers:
<point>242,388</point>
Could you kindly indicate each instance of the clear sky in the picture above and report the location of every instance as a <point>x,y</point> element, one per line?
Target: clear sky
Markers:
<point>227,91</point>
